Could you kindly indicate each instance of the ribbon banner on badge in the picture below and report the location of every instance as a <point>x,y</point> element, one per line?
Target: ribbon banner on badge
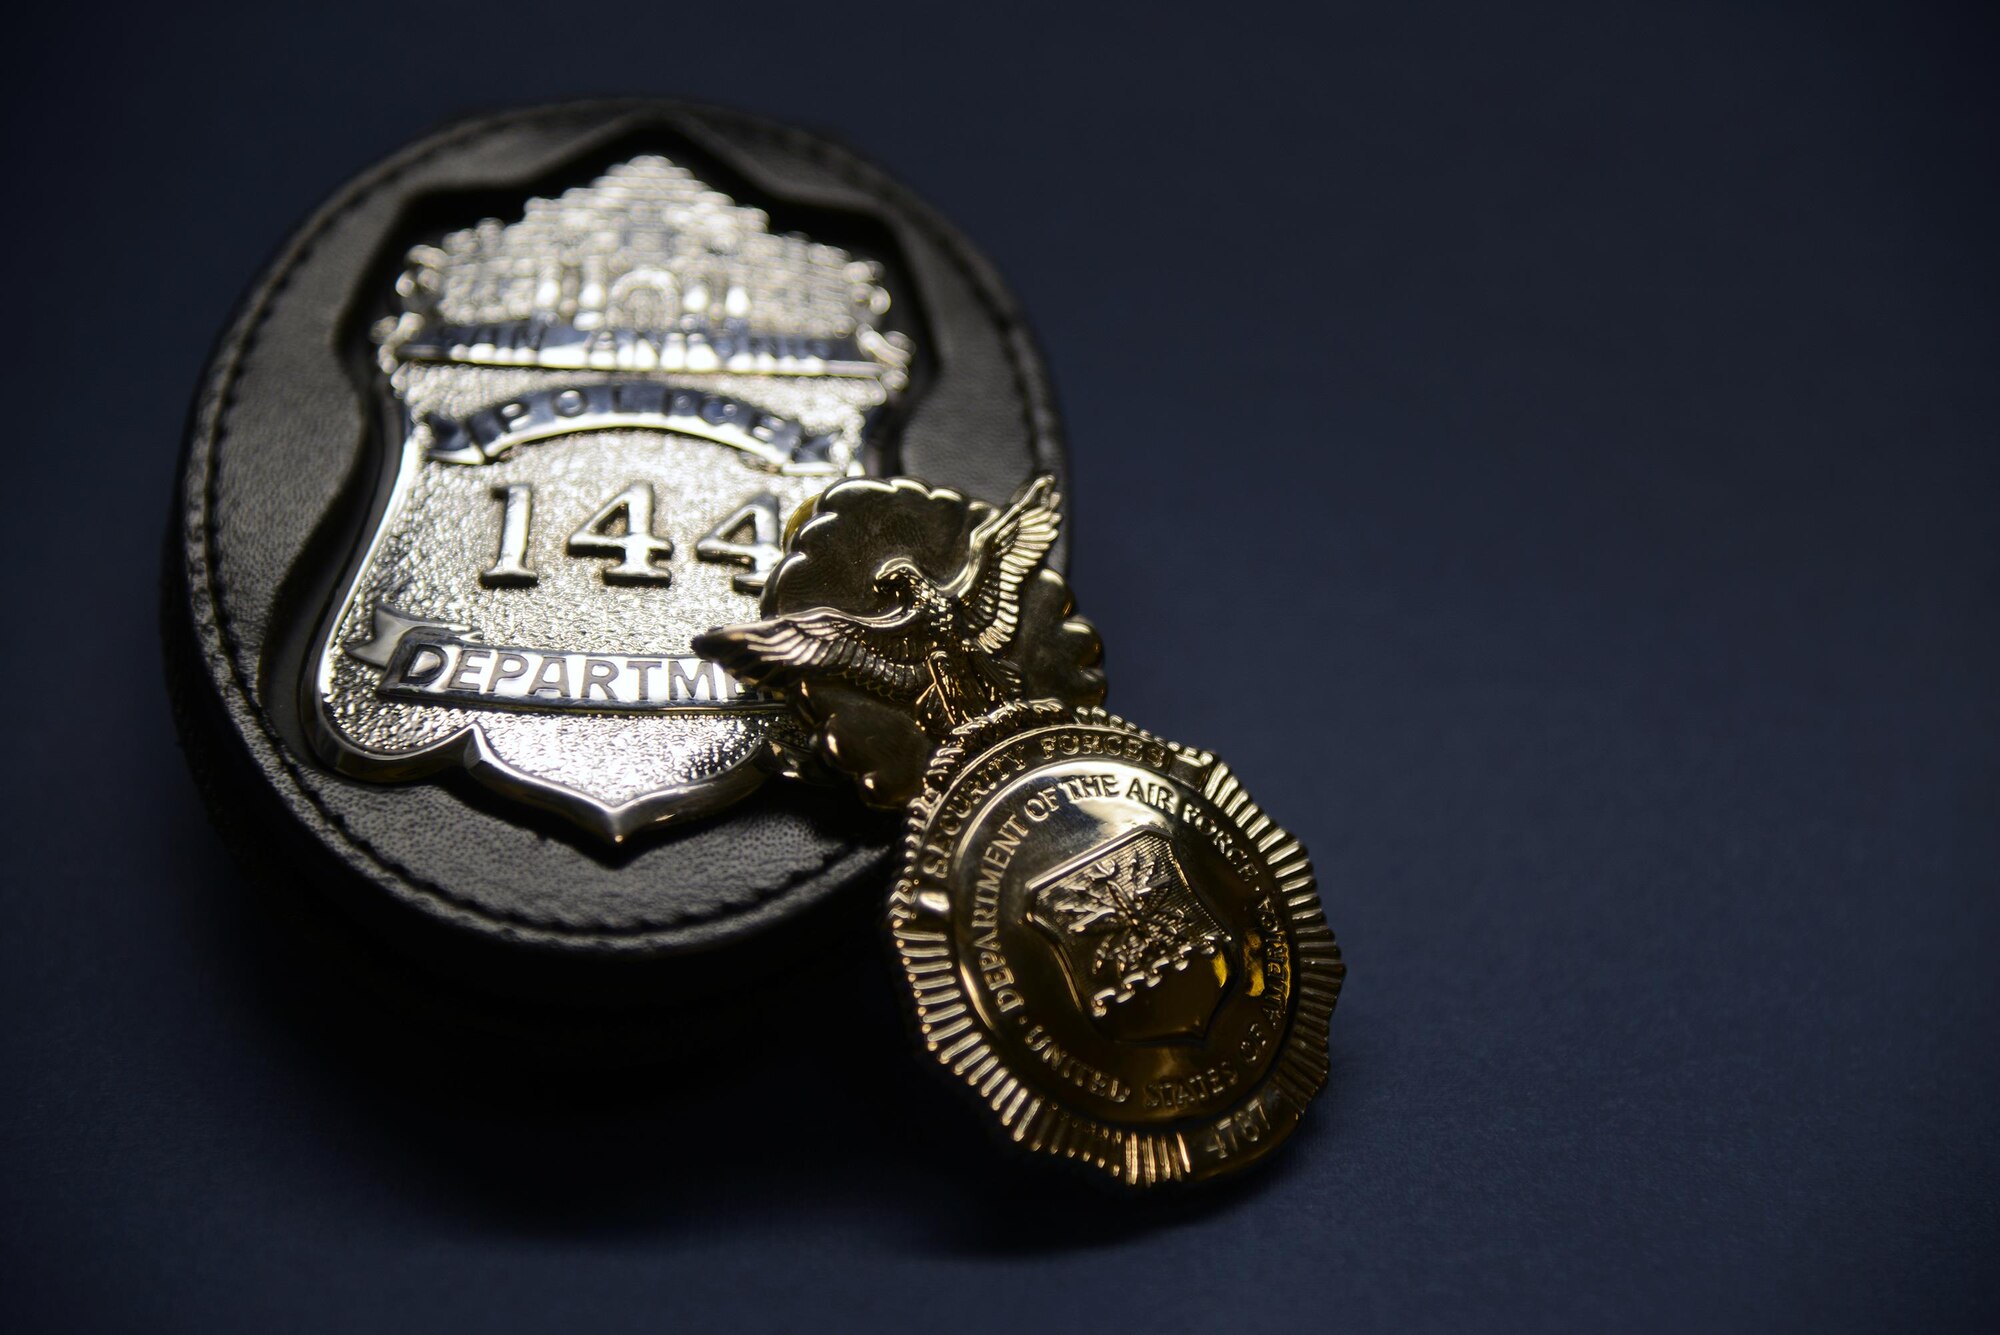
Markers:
<point>442,665</point>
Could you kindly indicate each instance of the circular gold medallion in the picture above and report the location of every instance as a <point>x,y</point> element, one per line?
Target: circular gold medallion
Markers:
<point>1110,944</point>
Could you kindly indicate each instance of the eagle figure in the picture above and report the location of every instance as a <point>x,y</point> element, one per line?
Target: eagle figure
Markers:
<point>938,650</point>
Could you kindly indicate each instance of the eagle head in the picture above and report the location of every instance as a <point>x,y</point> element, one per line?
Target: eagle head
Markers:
<point>901,579</point>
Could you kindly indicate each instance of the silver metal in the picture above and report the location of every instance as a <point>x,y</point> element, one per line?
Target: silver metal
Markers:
<point>606,406</point>
<point>510,567</point>
<point>758,520</point>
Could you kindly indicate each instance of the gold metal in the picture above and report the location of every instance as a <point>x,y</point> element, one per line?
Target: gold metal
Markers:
<point>900,611</point>
<point>1104,939</point>
<point>1112,947</point>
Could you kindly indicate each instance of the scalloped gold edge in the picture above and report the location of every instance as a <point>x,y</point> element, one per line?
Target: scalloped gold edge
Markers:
<point>949,1029</point>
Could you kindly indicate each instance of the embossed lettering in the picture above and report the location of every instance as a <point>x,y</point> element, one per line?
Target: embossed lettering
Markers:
<point>468,659</point>
<point>599,672</point>
<point>552,678</point>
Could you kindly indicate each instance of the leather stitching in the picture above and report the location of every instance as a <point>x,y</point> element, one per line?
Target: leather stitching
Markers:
<point>250,327</point>
<point>202,502</point>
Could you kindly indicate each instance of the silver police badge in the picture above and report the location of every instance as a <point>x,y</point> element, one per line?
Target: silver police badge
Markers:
<point>607,409</point>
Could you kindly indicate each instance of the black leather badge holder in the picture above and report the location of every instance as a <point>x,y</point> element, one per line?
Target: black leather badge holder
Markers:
<point>511,418</point>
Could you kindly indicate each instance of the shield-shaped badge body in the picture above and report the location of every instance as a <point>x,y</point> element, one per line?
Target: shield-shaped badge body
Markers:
<point>514,416</point>
<point>608,407</point>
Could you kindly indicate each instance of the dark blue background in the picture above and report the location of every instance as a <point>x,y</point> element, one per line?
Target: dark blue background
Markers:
<point>1551,454</point>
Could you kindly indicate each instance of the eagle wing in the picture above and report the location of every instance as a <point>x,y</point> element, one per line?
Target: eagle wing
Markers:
<point>1006,549</point>
<point>881,654</point>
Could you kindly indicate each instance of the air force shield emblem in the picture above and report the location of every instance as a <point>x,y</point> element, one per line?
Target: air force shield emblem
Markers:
<point>606,409</point>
